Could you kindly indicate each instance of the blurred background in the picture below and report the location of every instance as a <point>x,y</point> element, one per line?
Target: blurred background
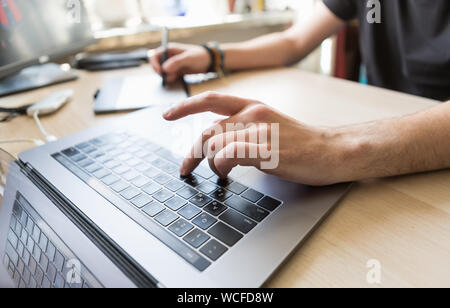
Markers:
<point>130,24</point>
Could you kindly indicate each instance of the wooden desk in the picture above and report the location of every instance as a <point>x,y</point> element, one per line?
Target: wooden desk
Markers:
<point>402,222</point>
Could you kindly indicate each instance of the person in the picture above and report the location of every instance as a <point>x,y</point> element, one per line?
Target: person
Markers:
<point>406,50</point>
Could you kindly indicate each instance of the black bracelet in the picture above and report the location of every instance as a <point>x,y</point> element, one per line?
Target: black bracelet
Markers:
<point>212,67</point>
<point>222,55</point>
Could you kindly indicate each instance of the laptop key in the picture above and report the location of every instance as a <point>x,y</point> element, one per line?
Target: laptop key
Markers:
<point>70,152</point>
<point>59,281</point>
<point>151,188</point>
<point>181,227</point>
<point>20,266</point>
<point>163,179</point>
<point>59,261</point>
<point>100,174</point>
<point>142,167</point>
<point>83,145</point>
<point>112,164</point>
<point>215,208</point>
<point>110,179</point>
<point>236,188</point>
<point>187,192</point>
<point>204,172</point>
<point>221,182</point>
<point>200,200</point>
<point>176,203</point>
<point>213,250</point>
<point>252,195</point>
<point>133,162</point>
<point>140,181</point>
<point>204,221</point>
<point>130,175</point>
<point>247,208</point>
<point>196,238</point>
<point>51,251</point>
<point>153,209</point>
<point>166,218</point>
<point>37,252</point>
<point>51,272</point>
<point>141,201</point>
<point>192,180</point>
<point>46,283</point>
<point>174,185</point>
<point>151,173</point>
<point>221,194</point>
<point>78,158</point>
<point>39,275</point>
<point>85,163</point>
<point>269,203</point>
<point>130,193</point>
<point>26,276</point>
<point>207,187</point>
<point>238,221</point>
<point>170,169</point>
<point>121,169</point>
<point>225,234</point>
<point>43,261</point>
<point>12,254</point>
<point>189,211</point>
<point>43,242</point>
<point>32,266</point>
<point>163,195</point>
<point>12,238</point>
<point>93,168</point>
<point>120,186</point>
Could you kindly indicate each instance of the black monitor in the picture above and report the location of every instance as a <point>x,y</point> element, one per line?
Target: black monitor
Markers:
<point>37,31</point>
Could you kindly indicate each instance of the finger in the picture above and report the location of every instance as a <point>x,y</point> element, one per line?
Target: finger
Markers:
<point>217,143</point>
<point>172,78</point>
<point>220,104</point>
<point>231,157</point>
<point>198,153</point>
<point>156,62</point>
<point>215,139</point>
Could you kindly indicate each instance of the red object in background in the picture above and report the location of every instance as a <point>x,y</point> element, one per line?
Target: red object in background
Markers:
<point>14,10</point>
<point>340,70</point>
<point>231,4</point>
<point>348,55</point>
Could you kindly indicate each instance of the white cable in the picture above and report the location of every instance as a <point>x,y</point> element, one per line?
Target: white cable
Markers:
<point>35,141</point>
<point>48,137</point>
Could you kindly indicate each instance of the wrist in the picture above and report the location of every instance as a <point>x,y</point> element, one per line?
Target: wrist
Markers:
<point>350,151</point>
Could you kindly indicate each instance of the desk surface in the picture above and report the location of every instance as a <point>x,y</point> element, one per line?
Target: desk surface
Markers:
<point>403,222</point>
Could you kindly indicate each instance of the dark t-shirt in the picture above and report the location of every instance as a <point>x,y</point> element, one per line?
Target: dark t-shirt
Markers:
<point>409,51</point>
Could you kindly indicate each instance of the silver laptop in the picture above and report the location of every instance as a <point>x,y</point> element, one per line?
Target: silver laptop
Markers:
<point>107,208</point>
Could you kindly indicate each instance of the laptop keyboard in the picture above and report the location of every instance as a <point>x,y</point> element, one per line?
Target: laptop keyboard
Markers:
<point>37,258</point>
<point>200,217</point>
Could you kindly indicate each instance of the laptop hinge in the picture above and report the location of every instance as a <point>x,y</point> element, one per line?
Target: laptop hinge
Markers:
<point>136,273</point>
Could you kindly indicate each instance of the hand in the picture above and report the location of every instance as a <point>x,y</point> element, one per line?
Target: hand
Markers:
<point>183,59</point>
<point>298,153</point>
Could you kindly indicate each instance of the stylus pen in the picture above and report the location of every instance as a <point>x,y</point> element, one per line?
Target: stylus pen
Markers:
<point>165,55</point>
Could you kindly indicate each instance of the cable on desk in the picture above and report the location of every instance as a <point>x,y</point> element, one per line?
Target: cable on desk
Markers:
<point>48,137</point>
<point>24,140</point>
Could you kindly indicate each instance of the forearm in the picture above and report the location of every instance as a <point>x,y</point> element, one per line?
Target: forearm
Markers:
<point>283,48</point>
<point>411,144</point>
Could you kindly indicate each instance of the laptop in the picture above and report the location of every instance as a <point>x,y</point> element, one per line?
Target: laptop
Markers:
<point>106,207</point>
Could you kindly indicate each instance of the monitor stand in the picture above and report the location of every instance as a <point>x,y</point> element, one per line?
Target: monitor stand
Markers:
<point>35,77</point>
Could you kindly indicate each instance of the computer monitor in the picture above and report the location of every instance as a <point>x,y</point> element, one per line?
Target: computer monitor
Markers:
<point>38,31</point>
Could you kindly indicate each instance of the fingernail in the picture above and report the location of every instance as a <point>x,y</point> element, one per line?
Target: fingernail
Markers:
<point>167,113</point>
